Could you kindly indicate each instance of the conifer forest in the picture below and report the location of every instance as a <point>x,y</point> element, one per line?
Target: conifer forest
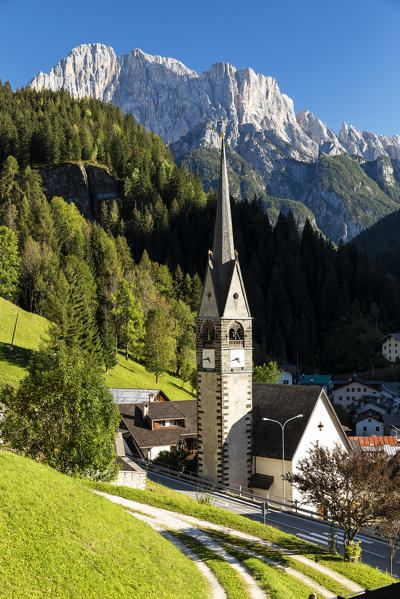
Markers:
<point>315,304</point>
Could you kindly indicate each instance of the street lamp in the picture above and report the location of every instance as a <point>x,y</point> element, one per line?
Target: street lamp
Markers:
<point>283,447</point>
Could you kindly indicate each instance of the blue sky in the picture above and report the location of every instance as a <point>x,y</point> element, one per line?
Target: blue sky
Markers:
<point>340,59</point>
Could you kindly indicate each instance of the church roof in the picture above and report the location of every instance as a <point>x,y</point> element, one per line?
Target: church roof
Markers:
<point>281,402</point>
<point>223,247</point>
<point>223,266</point>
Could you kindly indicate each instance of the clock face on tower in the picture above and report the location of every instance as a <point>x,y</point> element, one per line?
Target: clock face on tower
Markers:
<point>237,358</point>
<point>208,358</point>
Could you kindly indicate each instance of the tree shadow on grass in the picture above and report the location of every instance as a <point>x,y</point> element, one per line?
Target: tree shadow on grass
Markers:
<point>180,388</point>
<point>19,356</point>
<point>127,368</point>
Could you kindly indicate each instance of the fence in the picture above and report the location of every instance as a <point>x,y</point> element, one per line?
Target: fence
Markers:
<point>237,491</point>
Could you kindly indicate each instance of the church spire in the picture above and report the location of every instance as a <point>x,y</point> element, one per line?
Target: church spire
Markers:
<point>223,248</point>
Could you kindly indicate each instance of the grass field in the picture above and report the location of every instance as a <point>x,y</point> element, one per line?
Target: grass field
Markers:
<point>227,576</point>
<point>128,373</point>
<point>59,540</point>
<point>29,332</point>
<point>159,496</point>
<point>31,329</point>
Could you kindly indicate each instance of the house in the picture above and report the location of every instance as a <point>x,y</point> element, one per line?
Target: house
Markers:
<point>123,396</point>
<point>391,391</point>
<point>318,423</point>
<point>288,374</point>
<point>372,443</point>
<point>318,380</point>
<point>382,405</point>
<point>347,393</point>
<point>391,346</point>
<point>151,427</point>
<point>368,422</point>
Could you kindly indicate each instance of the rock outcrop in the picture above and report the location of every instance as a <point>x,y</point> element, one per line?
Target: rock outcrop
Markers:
<point>85,185</point>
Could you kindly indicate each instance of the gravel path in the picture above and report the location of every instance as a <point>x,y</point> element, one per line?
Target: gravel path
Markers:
<point>190,525</point>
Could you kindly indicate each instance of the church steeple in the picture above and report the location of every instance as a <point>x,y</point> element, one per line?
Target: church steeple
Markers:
<point>223,293</point>
<point>223,248</point>
<point>224,357</point>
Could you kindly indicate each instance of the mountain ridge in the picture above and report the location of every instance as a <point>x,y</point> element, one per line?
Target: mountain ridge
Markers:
<point>264,135</point>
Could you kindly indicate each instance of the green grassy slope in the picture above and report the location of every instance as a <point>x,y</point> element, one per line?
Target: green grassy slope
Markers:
<point>32,328</point>
<point>59,540</point>
<point>128,373</point>
<point>160,496</point>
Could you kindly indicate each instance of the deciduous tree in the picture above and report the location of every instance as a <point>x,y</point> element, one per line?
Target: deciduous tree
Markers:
<point>354,490</point>
<point>267,373</point>
<point>63,414</point>
<point>159,343</point>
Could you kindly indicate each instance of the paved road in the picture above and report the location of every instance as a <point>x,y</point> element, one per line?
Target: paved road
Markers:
<point>374,552</point>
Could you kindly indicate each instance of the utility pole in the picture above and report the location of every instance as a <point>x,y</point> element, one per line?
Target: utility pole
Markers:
<point>15,328</point>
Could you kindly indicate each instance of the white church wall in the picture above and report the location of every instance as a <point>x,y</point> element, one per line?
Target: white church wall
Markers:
<point>329,436</point>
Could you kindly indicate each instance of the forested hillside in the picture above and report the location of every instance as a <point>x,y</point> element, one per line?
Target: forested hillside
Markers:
<point>313,303</point>
<point>382,243</point>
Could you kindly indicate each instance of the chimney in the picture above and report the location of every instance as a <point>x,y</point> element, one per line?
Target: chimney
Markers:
<point>145,410</point>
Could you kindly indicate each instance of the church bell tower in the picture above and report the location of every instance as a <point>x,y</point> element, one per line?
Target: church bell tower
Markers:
<point>224,357</point>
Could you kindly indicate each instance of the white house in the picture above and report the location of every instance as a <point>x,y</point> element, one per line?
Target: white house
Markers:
<point>286,377</point>
<point>369,422</point>
<point>289,374</point>
<point>391,346</point>
<point>318,423</point>
<point>348,393</point>
<point>382,405</point>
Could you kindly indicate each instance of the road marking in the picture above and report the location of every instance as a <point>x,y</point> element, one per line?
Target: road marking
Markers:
<point>325,536</point>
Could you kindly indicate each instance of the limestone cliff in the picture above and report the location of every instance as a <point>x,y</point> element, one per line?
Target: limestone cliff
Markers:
<point>271,150</point>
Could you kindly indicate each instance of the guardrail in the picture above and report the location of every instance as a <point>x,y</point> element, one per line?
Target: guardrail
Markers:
<point>238,492</point>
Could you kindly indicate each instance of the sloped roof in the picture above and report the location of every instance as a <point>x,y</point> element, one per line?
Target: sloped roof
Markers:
<point>166,409</point>
<point>395,335</point>
<point>260,481</point>
<point>337,383</point>
<point>375,440</point>
<point>137,395</point>
<point>391,387</point>
<point>145,437</point>
<point>280,402</point>
<point>315,379</point>
<point>370,413</point>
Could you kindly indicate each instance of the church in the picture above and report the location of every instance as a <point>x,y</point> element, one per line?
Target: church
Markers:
<point>236,444</point>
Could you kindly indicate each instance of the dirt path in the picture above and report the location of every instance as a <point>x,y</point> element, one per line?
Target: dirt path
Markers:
<point>166,519</point>
<point>162,519</point>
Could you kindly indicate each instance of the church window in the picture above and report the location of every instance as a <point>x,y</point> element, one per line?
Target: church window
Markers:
<point>236,335</point>
<point>235,296</point>
<point>208,332</point>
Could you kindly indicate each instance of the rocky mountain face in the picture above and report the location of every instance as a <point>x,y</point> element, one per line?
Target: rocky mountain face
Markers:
<point>85,185</point>
<point>272,151</point>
